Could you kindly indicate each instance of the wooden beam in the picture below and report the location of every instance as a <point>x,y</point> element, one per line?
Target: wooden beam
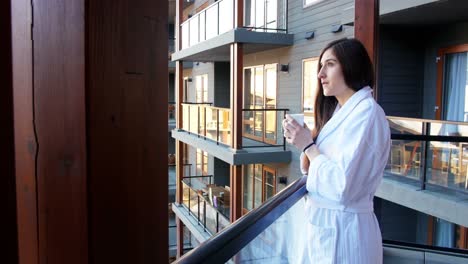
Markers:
<point>127,109</point>
<point>236,94</point>
<point>366,29</point>
<point>179,84</point>
<point>236,192</point>
<point>59,119</point>
<point>25,139</point>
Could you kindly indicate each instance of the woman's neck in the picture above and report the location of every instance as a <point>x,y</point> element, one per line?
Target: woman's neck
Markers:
<point>344,97</point>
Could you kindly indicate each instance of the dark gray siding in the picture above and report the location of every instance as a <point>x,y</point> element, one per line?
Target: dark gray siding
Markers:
<point>222,84</point>
<point>401,72</point>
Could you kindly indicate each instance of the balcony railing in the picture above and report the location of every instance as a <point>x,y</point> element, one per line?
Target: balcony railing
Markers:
<point>207,121</point>
<point>214,123</point>
<point>218,18</point>
<point>171,110</point>
<point>264,125</point>
<point>211,212</point>
<point>431,152</point>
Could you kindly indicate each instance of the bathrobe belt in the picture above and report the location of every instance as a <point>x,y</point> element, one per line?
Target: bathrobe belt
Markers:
<point>361,207</point>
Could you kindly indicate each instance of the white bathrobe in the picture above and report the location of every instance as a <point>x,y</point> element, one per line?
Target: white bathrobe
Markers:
<point>341,226</point>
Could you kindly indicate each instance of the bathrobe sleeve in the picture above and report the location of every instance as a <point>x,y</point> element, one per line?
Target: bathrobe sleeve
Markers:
<point>343,174</point>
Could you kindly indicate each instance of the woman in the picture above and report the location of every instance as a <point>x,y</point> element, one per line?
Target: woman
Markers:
<point>344,157</point>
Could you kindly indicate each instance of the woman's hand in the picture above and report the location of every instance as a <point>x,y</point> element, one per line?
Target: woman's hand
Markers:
<point>295,134</point>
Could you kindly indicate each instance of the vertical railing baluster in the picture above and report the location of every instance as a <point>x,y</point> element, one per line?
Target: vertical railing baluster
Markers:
<point>204,215</point>
<point>198,123</point>
<point>189,196</point>
<point>284,139</point>
<point>217,126</point>
<point>426,130</point>
<point>217,222</point>
<point>198,209</point>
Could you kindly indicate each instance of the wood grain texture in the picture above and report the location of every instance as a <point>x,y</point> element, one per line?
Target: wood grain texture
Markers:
<point>25,141</point>
<point>366,29</point>
<point>127,111</point>
<point>59,116</point>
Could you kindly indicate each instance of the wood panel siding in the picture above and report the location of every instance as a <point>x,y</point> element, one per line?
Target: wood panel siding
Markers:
<point>401,72</point>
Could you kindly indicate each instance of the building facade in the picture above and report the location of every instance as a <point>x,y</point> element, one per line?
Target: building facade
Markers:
<point>256,60</point>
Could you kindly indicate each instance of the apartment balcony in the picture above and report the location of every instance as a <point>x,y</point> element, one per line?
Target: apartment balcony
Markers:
<point>205,207</point>
<point>209,128</point>
<point>428,168</point>
<point>207,35</point>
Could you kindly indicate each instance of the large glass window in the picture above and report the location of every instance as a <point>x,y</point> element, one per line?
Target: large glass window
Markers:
<point>202,164</point>
<point>259,185</point>
<point>201,86</point>
<point>311,2</point>
<point>309,85</point>
<point>260,83</point>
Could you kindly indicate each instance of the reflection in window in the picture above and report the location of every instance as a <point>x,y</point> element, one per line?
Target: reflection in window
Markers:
<point>309,84</point>
<point>259,185</point>
<point>260,83</point>
<point>201,87</point>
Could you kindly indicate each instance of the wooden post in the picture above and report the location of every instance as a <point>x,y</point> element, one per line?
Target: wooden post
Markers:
<point>366,29</point>
<point>179,84</point>
<point>237,56</point>
<point>87,131</point>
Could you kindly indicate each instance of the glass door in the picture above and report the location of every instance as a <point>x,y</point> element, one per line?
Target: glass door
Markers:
<point>450,160</point>
<point>269,183</point>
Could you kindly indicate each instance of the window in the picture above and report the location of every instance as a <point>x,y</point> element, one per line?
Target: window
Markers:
<point>259,185</point>
<point>201,86</point>
<point>260,84</point>
<point>309,86</point>
<point>202,164</point>
<point>311,2</point>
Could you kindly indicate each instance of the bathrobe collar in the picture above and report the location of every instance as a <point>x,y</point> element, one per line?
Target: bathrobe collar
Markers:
<point>341,113</point>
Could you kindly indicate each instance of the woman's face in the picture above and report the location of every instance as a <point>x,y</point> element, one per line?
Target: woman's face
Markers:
<point>331,76</point>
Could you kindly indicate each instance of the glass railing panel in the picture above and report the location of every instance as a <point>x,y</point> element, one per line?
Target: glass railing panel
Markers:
<point>185,117</point>
<point>224,120</point>
<point>405,160</point>
<point>264,125</point>
<point>271,125</point>
<point>194,26</point>
<point>211,28</point>
<point>267,234</point>
<point>185,35</point>
<point>202,36</point>
<point>211,123</point>
<point>279,242</point>
<point>405,126</point>
<point>226,16</point>
<point>448,166</point>
<point>202,120</point>
<point>194,113</point>
<point>171,110</point>
<point>218,18</point>
<point>265,16</point>
<point>446,128</point>
<point>185,195</point>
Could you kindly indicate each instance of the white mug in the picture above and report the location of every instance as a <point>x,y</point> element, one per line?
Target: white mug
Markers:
<point>299,118</point>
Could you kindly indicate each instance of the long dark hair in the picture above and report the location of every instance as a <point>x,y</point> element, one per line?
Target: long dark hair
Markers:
<point>357,71</point>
